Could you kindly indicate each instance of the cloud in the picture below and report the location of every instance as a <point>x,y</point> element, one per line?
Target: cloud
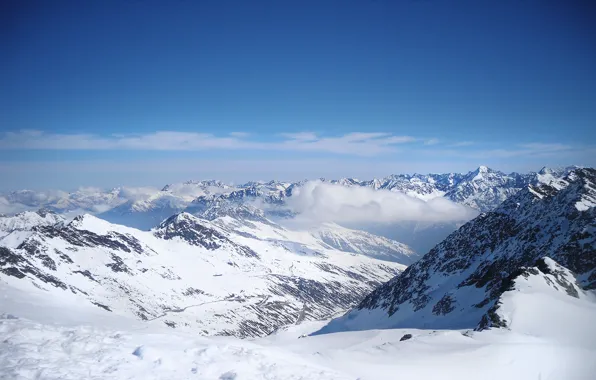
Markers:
<point>527,150</point>
<point>322,202</point>
<point>356,143</point>
<point>10,208</point>
<point>463,143</point>
<point>136,194</point>
<point>239,134</point>
<point>300,136</point>
<point>431,142</point>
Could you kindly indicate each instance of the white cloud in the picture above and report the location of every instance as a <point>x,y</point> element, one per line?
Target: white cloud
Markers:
<point>463,143</point>
<point>322,202</point>
<point>431,142</point>
<point>356,143</point>
<point>239,134</point>
<point>300,136</point>
<point>136,194</point>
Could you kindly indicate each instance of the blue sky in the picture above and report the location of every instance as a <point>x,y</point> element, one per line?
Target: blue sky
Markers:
<point>144,93</point>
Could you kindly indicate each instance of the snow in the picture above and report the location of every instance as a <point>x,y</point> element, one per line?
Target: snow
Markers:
<point>27,220</point>
<point>50,333</point>
<point>39,347</point>
<point>215,288</point>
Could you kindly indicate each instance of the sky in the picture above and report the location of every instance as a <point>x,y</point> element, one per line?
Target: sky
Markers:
<point>129,92</point>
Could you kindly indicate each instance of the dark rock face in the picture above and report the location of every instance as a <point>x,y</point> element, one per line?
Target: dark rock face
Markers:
<point>405,337</point>
<point>189,229</point>
<point>474,265</point>
<point>15,265</point>
<point>84,238</point>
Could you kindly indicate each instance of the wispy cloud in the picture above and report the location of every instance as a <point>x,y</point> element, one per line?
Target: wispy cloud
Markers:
<point>431,142</point>
<point>463,143</point>
<point>300,136</point>
<point>357,143</point>
<point>534,149</point>
<point>239,134</point>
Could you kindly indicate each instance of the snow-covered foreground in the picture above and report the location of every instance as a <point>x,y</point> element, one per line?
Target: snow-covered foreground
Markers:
<point>39,340</point>
<point>31,350</point>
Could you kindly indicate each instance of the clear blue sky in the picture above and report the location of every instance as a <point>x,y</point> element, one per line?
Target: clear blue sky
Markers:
<point>147,92</point>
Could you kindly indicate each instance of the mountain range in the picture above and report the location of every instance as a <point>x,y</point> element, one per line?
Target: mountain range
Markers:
<point>220,277</point>
<point>215,258</point>
<point>482,189</point>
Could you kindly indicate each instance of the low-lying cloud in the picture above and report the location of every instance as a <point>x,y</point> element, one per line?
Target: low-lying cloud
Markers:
<point>9,208</point>
<point>317,201</point>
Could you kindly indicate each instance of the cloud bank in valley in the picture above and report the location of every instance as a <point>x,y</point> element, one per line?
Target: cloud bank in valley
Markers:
<point>317,201</point>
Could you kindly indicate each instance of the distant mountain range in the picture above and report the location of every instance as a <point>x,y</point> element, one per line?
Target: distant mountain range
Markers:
<point>482,189</point>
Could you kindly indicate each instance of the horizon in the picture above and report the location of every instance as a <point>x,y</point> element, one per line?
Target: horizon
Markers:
<point>159,187</point>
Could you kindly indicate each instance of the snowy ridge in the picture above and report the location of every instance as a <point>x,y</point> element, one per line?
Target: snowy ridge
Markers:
<point>191,273</point>
<point>460,279</point>
<point>27,220</point>
<point>544,287</point>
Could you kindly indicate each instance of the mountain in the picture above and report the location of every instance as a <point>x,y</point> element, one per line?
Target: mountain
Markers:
<point>144,208</point>
<point>145,214</point>
<point>459,187</point>
<point>222,277</point>
<point>460,280</point>
<point>361,242</point>
<point>484,188</point>
<point>535,290</point>
<point>28,219</point>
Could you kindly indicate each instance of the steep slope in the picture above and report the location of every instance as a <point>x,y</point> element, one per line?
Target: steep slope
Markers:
<point>348,240</point>
<point>460,279</point>
<point>190,273</point>
<point>534,299</point>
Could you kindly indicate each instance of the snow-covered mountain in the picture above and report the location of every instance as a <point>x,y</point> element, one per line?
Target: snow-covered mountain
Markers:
<point>544,288</point>
<point>131,304</point>
<point>220,277</point>
<point>482,189</point>
<point>462,279</point>
<point>145,208</point>
<point>27,219</point>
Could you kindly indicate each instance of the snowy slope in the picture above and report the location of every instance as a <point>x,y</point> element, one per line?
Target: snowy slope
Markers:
<point>190,273</point>
<point>27,220</point>
<point>460,279</point>
<point>538,298</point>
<point>362,242</point>
<point>75,342</point>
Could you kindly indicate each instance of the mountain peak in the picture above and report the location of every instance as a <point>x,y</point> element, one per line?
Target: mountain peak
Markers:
<point>178,218</point>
